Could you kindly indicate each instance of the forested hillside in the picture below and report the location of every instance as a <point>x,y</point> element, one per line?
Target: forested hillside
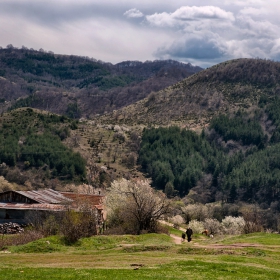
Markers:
<point>237,158</point>
<point>80,86</point>
<point>32,153</point>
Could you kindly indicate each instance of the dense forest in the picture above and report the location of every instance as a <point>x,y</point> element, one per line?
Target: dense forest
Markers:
<point>31,140</point>
<point>237,158</point>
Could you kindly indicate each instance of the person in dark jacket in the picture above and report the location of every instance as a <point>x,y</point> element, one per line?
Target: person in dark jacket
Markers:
<point>189,233</point>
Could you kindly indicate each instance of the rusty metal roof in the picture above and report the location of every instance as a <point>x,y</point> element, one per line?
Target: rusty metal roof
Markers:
<point>91,198</point>
<point>46,196</point>
<point>49,199</point>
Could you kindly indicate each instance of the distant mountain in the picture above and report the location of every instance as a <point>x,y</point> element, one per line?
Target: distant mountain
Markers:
<point>80,86</point>
<point>157,67</point>
<point>225,87</point>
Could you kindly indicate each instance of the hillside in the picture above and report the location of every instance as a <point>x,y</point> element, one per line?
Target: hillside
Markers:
<point>225,87</point>
<point>32,151</point>
<point>44,150</point>
<point>236,106</point>
<point>80,86</point>
<point>235,159</point>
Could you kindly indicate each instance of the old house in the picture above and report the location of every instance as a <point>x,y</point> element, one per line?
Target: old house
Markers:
<point>17,206</point>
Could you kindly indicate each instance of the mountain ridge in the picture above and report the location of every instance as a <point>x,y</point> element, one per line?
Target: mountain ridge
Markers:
<point>52,82</point>
<point>225,87</point>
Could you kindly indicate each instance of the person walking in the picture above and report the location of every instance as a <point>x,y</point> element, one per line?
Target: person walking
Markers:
<point>189,233</point>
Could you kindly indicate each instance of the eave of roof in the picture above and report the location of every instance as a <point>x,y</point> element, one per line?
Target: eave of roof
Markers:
<point>45,196</point>
<point>35,206</point>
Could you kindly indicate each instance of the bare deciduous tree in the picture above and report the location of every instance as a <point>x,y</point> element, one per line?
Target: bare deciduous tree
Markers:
<point>135,206</point>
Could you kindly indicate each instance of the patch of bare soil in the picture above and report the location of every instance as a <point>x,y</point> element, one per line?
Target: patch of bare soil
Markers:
<point>177,240</point>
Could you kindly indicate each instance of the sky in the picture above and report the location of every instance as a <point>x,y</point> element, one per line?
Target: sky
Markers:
<point>201,32</point>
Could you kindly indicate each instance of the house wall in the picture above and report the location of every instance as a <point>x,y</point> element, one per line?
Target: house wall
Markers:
<point>12,215</point>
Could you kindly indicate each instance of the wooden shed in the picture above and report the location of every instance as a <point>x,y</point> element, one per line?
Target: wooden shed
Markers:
<point>16,206</point>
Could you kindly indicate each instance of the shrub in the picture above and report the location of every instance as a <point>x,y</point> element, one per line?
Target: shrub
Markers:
<point>233,225</point>
<point>75,225</point>
<point>197,212</point>
<point>177,221</point>
<point>196,226</point>
<point>213,226</point>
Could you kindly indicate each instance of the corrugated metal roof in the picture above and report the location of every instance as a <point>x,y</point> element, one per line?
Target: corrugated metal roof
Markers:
<point>49,199</point>
<point>46,196</point>
<point>37,206</point>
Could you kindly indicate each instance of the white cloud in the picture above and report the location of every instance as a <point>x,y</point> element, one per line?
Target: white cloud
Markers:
<point>162,20</point>
<point>133,13</point>
<point>250,11</point>
<point>185,14</point>
<point>205,12</point>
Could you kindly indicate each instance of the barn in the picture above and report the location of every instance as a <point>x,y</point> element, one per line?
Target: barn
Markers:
<point>17,206</point>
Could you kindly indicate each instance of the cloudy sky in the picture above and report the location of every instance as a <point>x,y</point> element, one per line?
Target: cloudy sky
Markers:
<point>201,32</point>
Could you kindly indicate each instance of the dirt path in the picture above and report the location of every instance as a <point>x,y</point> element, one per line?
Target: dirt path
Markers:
<point>177,240</point>
<point>171,225</point>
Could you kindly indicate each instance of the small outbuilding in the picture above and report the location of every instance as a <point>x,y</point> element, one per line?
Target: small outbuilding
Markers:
<point>17,206</point>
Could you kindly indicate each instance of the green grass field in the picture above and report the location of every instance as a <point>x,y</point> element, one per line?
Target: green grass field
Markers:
<point>149,256</point>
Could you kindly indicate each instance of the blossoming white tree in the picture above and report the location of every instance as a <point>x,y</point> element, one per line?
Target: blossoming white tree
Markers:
<point>135,206</point>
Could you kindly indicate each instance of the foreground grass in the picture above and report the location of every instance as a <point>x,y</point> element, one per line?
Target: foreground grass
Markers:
<point>149,256</point>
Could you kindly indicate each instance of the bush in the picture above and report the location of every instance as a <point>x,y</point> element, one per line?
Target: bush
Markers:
<point>177,221</point>
<point>213,226</point>
<point>196,226</point>
<point>197,212</point>
<point>233,225</point>
<point>75,225</point>
<point>251,227</point>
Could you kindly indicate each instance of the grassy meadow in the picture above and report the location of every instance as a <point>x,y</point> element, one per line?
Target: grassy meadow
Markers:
<point>148,256</point>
